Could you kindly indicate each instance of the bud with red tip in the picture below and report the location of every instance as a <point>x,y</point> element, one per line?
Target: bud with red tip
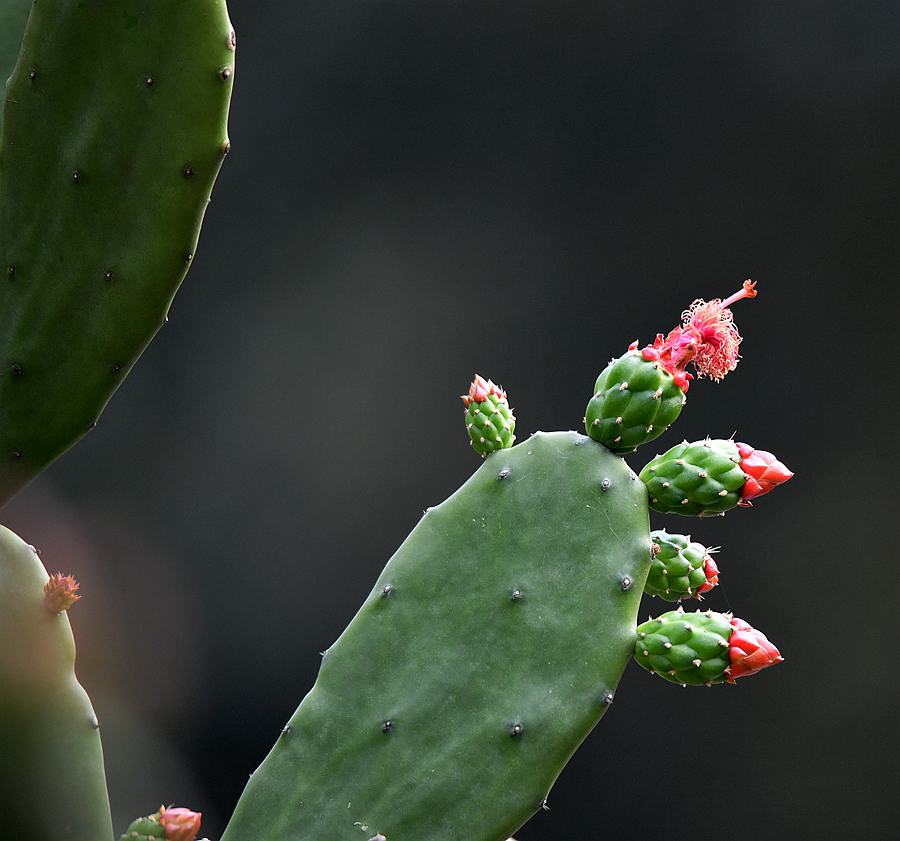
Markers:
<point>680,569</point>
<point>174,824</point>
<point>702,648</point>
<point>709,477</point>
<point>59,592</point>
<point>489,419</point>
<point>763,471</point>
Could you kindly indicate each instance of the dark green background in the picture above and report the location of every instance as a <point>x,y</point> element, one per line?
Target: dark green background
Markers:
<point>421,191</point>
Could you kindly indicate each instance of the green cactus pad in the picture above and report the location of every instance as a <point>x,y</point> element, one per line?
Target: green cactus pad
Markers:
<point>51,762</point>
<point>114,129</point>
<point>678,568</point>
<point>13,17</point>
<point>634,401</point>
<point>703,478</point>
<point>488,649</point>
<point>686,648</point>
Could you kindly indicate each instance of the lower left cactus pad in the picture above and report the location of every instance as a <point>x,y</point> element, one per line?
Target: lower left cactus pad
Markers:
<point>52,780</point>
<point>488,649</point>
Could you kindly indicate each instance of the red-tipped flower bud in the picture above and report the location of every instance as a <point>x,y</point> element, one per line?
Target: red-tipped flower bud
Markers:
<point>59,593</point>
<point>489,419</point>
<point>179,824</point>
<point>749,651</point>
<point>763,471</point>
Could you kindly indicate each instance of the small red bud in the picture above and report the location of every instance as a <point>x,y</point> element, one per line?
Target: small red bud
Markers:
<point>763,471</point>
<point>480,389</point>
<point>749,651</point>
<point>179,824</point>
<point>59,593</point>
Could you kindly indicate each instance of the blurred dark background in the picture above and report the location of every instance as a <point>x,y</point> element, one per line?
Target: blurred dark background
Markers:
<point>419,191</point>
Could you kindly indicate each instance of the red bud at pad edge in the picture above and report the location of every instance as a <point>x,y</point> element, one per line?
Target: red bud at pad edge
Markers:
<point>749,651</point>
<point>763,471</point>
<point>59,593</point>
<point>179,824</point>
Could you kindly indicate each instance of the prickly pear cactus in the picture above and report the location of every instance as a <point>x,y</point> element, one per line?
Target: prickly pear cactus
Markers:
<point>495,637</point>
<point>51,762</point>
<point>489,647</point>
<point>113,131</point>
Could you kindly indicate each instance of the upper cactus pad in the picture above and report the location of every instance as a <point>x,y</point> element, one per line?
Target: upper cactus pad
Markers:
<point>113,131</point>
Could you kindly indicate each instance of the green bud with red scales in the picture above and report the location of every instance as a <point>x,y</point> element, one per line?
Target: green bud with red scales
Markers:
<point>489,419</point>
<point>709,477</point>
<point>680,569</point>
<point>702,648</point>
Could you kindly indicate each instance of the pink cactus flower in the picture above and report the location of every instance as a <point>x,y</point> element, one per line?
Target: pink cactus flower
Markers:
<point>749,651</point>
<point>707,339</point>
<point>59,593</point>
<point>763,470</point>
<point>179,824</point>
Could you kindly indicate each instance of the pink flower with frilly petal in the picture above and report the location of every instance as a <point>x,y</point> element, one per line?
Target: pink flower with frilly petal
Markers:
<point>706,339</point>
<point>749,651</point>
